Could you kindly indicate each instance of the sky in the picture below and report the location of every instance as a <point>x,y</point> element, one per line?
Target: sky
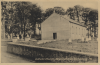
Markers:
<point>45,4</point>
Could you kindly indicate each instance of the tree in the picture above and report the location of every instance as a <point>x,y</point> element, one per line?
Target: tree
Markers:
<point>93,16</point>
<point>3,15</point>
<point>78,10</point>
<point>88,15</point>
<point>48,12</point>
<point>85,15</point>
<point>35,16</point>
<point>58,10</point>
<point>75,12</point>
<point>22,14</point>
<point>70,12</point>
<point>7,14</point>
<point>15,29</point>
<point>28,13</point>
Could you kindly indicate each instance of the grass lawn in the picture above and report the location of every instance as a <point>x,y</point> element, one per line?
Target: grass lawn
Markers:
<point>91,47</point>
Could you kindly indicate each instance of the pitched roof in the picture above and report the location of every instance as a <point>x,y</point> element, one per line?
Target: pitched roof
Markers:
<point>70,20</point>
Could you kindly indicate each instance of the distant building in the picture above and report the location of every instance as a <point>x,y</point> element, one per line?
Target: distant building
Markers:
<point>62,27</point>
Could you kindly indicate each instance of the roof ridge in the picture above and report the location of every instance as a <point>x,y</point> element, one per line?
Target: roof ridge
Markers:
<point>72,21</point>
<point>68,18</point>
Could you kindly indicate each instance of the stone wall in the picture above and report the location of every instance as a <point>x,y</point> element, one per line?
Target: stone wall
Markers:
<point>51,54</point>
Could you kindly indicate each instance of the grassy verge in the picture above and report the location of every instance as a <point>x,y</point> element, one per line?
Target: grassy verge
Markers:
<point>63,44</point>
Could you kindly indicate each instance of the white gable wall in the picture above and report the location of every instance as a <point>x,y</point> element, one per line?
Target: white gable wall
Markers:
<point>65,29</point>
<point>55,24</point>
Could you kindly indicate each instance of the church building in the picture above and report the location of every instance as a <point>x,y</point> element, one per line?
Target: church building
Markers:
<point>62,27</point>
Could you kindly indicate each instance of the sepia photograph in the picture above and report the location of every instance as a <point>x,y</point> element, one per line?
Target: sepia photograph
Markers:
<point>49,31</point>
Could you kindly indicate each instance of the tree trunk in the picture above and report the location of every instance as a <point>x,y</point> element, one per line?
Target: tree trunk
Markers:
<point>93,35</point>
<point>35,28</point>
<point>8,36</point>
<point>88,32</point>
<point>94,30</point>
<point>11,35</point>
<point>24,31</point>
<point>21,30</point>
<point>22,36</point>
<point>30,36</point>
<point>34,31</point>
<point>39,32</point>
<point>77,16</point>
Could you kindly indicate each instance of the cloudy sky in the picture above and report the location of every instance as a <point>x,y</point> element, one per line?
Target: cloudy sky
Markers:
<point>44,4</point>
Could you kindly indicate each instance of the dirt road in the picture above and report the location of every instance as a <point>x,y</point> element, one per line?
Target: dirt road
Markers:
<point>12,58</point>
